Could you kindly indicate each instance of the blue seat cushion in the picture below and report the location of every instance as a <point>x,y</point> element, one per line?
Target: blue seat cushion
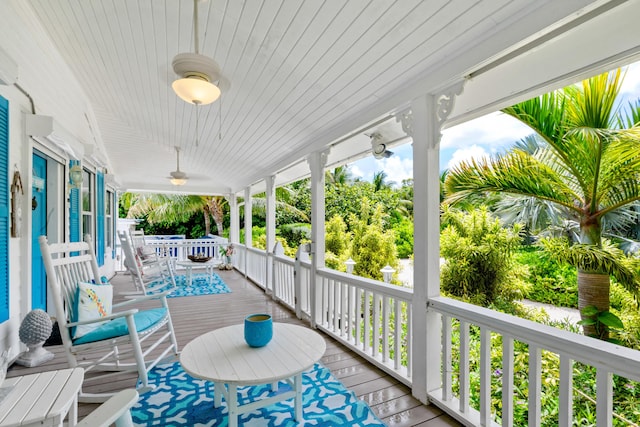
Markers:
<point>118,327</point>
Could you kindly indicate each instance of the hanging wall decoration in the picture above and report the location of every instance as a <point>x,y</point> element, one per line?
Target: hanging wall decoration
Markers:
<point>16,204</point>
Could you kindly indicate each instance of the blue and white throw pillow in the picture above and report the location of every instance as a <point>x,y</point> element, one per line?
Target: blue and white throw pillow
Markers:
<point>92,302</point>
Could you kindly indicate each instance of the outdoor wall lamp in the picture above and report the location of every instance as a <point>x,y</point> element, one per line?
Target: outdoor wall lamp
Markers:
<point>75,176</point>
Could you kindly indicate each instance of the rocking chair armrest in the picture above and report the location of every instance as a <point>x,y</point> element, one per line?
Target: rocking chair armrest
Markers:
<point>159,295</point>
<point>102,319</point>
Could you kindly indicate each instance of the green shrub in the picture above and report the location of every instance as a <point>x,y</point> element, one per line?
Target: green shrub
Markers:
<point>336,239</point>
<point>550,282</point>
<point>404,237</point>
<point>479,258</point>
<point>372,248</point>
<point>295,234</point>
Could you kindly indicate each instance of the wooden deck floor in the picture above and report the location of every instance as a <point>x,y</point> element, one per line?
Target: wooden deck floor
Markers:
<point>193,316</point>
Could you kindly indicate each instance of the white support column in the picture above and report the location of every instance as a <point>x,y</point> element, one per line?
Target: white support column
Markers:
<point>234,226</point>
<point>424,123</point>
<point>247,217</point>
<point>247,228</point>
<point>317,162</point>
<point>271,228</point>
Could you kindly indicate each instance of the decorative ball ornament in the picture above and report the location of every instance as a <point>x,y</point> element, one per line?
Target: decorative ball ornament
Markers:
<point>34,331</point>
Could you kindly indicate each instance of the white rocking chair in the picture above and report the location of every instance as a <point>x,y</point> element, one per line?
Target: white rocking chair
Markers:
<point>116,410</point>
<point>122,340</point>
<point>149,272</point>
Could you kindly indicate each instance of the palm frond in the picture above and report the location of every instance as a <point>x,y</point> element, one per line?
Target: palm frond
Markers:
<point>516,173</point>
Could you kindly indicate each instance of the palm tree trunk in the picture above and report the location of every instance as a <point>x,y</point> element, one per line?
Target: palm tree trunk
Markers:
<point>219,226</point>
<point>207,223</point>
<point>593,290</point>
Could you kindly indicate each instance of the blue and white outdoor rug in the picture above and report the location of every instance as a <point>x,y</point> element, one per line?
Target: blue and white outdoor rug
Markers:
<point>181,400</point>
<point>200,285</point>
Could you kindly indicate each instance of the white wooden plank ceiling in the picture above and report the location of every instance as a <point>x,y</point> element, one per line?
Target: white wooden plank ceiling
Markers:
<point>299,71</point>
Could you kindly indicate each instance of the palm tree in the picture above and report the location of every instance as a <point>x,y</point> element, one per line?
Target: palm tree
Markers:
<point>379,181</point>
<point>340,175</point>
<point>588,167</point>
<point>285,202</point>
<point>178,207</point>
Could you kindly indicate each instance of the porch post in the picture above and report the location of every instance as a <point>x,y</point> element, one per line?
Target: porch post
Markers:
<point>247,228</point>
<point>271,228</point>
<point>247,217</point>
<point>424,123</point>
<point>317,162</point>
<point>234,226</point>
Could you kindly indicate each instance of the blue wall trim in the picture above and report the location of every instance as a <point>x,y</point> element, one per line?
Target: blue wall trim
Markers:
<point>4,209</point>
<point>100,217</point>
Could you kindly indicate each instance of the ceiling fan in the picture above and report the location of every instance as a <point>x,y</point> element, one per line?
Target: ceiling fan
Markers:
<point>177,177</point>
<point>199,75</point>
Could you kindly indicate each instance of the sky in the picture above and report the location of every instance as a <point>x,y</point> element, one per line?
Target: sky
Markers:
<point>476,138</point>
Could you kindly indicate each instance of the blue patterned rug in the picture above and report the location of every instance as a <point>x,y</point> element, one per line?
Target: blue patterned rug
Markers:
<point>181,400</point>
<point>200,285</point>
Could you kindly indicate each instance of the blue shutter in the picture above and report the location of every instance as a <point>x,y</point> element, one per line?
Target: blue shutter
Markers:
<point>114,218</point>
<point>100,217</point>
<point>74,210</point>
<point>4,209</point>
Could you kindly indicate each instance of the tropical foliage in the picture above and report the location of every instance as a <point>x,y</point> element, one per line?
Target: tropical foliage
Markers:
<point>589,167</point>
<point>479,258</point>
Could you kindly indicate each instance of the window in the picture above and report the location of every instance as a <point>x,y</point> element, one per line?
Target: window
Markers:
<point>87,205</point>
<point>108,219</point>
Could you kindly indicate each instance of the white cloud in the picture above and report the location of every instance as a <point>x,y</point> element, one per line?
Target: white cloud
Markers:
<point>396,168</point>
<point>473,152</point>
<point>631,83</point>
<point>356,172</point>
<point>495,129</point>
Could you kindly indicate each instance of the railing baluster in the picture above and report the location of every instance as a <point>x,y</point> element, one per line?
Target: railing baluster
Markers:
<point>358,319</point>
<point>397,334</point>
<point>464,367</point>
<point>485,377</point>
<point>325,284</point>
<point>337,287</point>
<point>351,320</point>
<point>409,324</point>
<point>535,374</point>
<point>367,321</point>
<point>507,381</point>
<point>343,310</point>
<point>604,397</point>
<point>565,402</point>
<point>376,324</point>
<point>385,328</point>
<point>447,369</point>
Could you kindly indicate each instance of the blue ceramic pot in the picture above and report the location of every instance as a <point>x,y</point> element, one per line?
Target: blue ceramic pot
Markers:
<point>258,329</point>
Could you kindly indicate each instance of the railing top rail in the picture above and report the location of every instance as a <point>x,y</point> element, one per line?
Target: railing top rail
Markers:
<point>614,358</point>
<point>185,242</point>
<point>255,250</point>
<point>283,259</point>
<point>368,284</point>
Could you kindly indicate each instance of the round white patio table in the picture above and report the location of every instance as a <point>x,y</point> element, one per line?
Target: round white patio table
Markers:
<point>223,357</point>
<point>209,266</point>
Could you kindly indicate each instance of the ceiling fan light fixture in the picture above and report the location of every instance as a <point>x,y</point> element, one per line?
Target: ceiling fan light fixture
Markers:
<point>197,72</point>
<point>178,181</point>
<point>195,90</point>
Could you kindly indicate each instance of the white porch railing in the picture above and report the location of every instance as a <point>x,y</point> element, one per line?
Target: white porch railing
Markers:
<point>256,265</point>
<point>180,249</point>
<point>371,317</point>
<point>566,347</point>
<point>374,319</point>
